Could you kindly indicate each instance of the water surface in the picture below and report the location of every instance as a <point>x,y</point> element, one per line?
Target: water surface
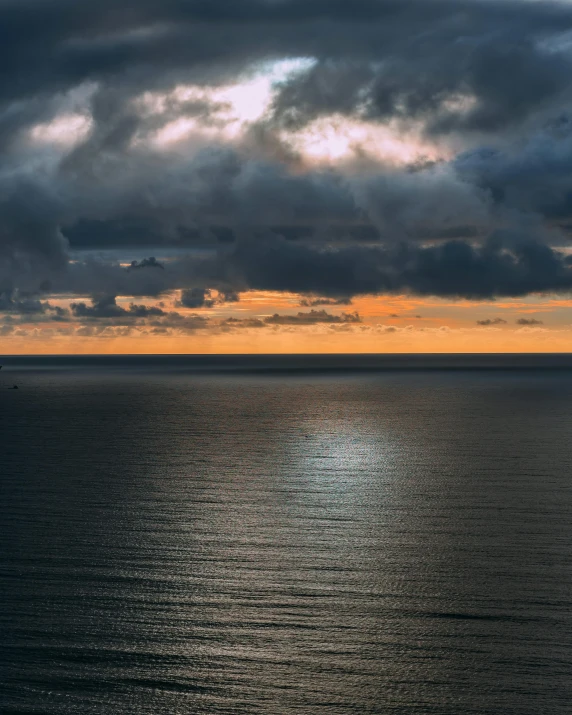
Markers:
<point>256,537</point>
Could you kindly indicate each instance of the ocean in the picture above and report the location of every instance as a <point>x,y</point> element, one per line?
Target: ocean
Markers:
<point>286,534</point>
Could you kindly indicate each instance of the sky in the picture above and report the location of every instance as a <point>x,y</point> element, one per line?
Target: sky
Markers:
<point>235,176</point>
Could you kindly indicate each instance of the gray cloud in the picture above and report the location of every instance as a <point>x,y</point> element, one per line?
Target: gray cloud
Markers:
<point>197,298</point>
<point>311,318</point>
<point>29,306</point>
<point>238,323</point>
<point>204,298</point>
<point>315,302</point>
<point>469,84</point>
<point>14,303</point>
<point>492,321</point>
<point>151,262</point>
<point>502,266</point>
<point>61,44</point>
<point>529,321</point>
<point>106,307</point>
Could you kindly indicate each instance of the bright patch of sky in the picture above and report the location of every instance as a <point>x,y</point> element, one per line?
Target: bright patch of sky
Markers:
<point>222,114</point>
<point>337,139</point>
<point>65,130</point>
<point>230,108</point>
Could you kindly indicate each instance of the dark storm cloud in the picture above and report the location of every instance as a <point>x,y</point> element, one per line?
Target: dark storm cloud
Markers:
<point>14,303</point>
<point>197,298</point>
<point>532,176</point>
<point>468,68</point>
<point>204,298</point>
<point>28,305</point>
<point>58,43</point>
<point>459,66</point>
<point>29,226</point>
<point>151,262</point>
<point>506,264</point>
<point>503,266</point>
<point>381,58</point>
<point>102,307</point>
<point>471,85</point>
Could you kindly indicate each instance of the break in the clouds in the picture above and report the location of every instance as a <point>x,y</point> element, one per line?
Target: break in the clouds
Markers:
<point>332,149</point>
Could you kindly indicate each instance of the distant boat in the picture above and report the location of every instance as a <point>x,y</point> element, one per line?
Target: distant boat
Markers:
<point>15,387</point>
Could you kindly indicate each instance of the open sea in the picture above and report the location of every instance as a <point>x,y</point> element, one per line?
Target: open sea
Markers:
<point>290,534</point>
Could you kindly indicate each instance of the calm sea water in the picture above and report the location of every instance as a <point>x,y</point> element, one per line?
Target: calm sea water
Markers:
<point>242,536</point>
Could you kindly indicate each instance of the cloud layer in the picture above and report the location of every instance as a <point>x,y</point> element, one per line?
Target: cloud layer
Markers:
<point>331,149</point>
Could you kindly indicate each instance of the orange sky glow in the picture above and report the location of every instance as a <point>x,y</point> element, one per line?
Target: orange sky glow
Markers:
<point>387,324</point>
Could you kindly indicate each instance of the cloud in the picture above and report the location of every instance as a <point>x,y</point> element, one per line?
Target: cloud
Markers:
<point>449,80</point>
<point>177,323</point>
<point>29,307</point>
<point>151,262</point>
<point>106,310</point>
<point>29,230</point>
<point>301,319</point>
<point>106,307</point>
<point>502,266</point>
<point>492,321</point>
<point>102,307</point>
<point>314,302</point>
<point>529,321</point>
<point>197,298</point>
<point>204,298</point>
<point>61,45</point>
<point>14,303</point>
<point>132,130</point>
<point>230,324</point>
<point>311,318</point>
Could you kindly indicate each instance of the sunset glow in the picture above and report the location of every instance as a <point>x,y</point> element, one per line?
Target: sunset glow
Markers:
<point>386,324</point>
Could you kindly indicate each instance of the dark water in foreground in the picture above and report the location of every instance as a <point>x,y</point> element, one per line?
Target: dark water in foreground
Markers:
<point>178,540</point>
